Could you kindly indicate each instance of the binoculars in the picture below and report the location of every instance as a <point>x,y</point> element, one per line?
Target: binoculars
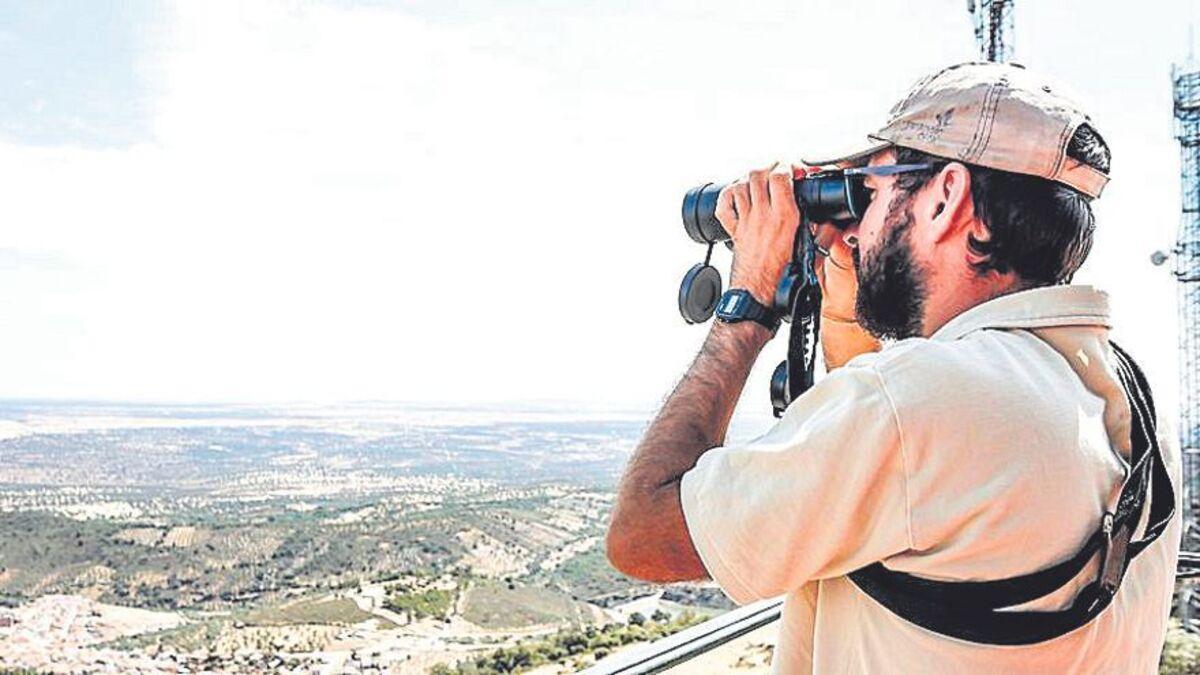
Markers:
<point>836,196</point>
<point>830,196</point>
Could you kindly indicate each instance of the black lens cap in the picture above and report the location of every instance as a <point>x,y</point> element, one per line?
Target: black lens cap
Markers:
<point>781,394</point>
<point>699,293</point>
<point>785,293</point>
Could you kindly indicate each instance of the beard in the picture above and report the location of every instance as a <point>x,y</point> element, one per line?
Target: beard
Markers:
<point>891,284</point>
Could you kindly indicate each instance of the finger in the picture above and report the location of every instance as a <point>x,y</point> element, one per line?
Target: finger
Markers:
<point>824,235</point>
<point>840,254</point>
<point>779,186</point>
<point>741,198</point>
<point>726,213</point>
<point>758,187</point>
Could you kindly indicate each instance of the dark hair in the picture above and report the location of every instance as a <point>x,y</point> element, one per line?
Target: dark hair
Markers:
<point>1040,229</point>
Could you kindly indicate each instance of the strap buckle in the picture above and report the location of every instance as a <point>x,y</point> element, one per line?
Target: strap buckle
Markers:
<point>1114,549</point>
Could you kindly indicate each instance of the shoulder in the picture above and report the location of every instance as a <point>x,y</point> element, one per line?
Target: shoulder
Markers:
<point>1009,368</point>
<point>912,367</point>
<point>918,354</point>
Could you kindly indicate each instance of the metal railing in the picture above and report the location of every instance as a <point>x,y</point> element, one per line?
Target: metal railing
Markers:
<point>668,652</point>
<point>689,643</point>
<point>1188,566</point>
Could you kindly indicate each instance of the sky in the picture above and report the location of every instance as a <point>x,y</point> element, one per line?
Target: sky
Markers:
<point>472,201</point>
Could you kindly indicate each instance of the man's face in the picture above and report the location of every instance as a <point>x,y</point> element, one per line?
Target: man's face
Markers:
<point>891,281</point>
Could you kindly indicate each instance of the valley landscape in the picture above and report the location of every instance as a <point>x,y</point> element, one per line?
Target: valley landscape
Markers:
<point>364,538</point>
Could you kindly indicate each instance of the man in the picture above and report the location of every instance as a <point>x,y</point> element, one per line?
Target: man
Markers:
<point>987,440</point>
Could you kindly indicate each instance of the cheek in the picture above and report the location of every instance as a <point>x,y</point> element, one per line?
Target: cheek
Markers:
<point>870,226</point>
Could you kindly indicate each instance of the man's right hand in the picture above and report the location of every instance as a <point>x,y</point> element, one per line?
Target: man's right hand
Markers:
<point>760,214</point>
<point>841,337</point>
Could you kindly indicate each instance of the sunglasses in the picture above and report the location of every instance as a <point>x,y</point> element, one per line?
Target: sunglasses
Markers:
<point>841,195</point>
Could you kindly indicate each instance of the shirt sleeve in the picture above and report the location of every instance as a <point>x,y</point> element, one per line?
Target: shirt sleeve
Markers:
<point>821,494</point>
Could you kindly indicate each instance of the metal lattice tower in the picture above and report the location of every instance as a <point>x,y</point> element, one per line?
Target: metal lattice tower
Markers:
<point>1186,254</point>
<point>993,28</point>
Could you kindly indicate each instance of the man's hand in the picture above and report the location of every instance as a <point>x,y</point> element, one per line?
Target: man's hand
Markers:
<point>841,337</point>
<point>759,212</point>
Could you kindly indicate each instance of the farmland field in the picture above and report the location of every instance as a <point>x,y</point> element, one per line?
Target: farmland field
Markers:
<point>495,605</point>
<point>254,539</point>
<point>331,611</point>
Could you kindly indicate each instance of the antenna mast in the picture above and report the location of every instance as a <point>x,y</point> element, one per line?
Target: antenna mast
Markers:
<point>993,28</point>
<point>1186,254</point>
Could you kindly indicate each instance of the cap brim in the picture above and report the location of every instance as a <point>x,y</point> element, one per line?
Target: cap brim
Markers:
<point>853,156</point>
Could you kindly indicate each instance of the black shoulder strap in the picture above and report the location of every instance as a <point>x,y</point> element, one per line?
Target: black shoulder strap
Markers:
<point>973,610</point>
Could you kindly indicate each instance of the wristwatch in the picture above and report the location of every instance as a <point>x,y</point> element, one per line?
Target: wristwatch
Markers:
<point>739,305</point>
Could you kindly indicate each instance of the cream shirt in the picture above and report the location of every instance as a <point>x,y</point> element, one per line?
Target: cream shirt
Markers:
<point>975,454</point>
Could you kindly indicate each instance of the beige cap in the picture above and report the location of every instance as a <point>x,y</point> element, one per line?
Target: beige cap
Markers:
<point>997,115</point>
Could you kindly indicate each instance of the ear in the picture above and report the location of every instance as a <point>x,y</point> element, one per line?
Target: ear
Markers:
<point>949,206</point>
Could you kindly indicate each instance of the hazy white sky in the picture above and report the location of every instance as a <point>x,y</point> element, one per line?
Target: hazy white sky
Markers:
<point>475,200</point>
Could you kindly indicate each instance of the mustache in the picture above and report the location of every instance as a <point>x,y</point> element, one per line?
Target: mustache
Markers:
<point>891,284</point>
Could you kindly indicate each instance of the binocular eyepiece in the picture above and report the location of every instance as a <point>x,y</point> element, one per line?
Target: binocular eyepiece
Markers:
<point>830,196</point>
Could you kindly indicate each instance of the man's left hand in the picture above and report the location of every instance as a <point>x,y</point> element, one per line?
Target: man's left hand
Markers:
<point>759,212</point>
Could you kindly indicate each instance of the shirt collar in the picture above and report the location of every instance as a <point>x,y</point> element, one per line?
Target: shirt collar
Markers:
<point>1034,308</point>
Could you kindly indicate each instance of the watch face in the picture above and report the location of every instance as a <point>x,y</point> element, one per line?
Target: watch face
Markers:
<point>731,303</point>
<point>738,305</point>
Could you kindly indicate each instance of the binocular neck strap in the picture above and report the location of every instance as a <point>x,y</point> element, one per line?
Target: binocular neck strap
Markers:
<point>806,314</point>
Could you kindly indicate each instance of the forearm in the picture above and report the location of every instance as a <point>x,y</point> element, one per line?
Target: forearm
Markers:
<point>696,415</point>
<point>648,537</point>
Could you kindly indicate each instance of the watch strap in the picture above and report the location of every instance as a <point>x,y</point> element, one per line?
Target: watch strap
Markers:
<point>738,305</point>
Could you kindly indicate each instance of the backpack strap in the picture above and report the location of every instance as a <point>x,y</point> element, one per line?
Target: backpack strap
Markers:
<point>973,610</point>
